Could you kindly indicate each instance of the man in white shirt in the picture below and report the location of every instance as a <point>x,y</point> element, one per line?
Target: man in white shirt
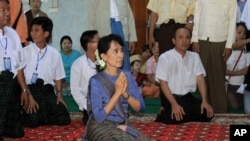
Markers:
<point>44,73</point>
<point>12,63</point>
<point>179,72</point>
<point>213,35</point>
<point>83,69</point>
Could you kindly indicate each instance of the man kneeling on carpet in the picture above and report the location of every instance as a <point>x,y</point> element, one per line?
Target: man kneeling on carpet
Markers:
<point>12,63</point>
<point>179,72</point>
<point>83,69</point>
<point>44,73</point>
<point>111,91</point>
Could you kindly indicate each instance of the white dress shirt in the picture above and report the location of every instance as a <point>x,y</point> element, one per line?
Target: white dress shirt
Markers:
<point>48,62</point>
<point>81,71</point>
<point>180,73</point>
<point>11,49</point>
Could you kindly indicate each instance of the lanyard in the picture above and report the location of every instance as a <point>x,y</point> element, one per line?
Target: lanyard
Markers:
<point>4,47</point>
<point>40,58</point>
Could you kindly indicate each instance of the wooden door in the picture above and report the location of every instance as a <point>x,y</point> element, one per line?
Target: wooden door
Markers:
<point>139,8</point>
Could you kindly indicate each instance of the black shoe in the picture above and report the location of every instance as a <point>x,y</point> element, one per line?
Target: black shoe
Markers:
<point>85,117</point>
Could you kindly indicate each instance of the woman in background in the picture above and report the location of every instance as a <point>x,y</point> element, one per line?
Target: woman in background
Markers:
<point>237,66</point>
<point>145,54</point>
<point>69,55</point>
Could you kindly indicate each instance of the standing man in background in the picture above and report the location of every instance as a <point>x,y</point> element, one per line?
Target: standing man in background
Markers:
<point>114,16</point>
<point>213,35</point>
<point>34,11</point>
<point>169,15</point>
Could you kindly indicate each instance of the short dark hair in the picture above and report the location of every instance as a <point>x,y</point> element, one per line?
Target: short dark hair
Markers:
<point>63,38</point>
<point>145,48</point>
<point>176,29</point>
<point>46,24</point>
<point>241,24</point>
<point>104,42</point>
<point>87,37</point>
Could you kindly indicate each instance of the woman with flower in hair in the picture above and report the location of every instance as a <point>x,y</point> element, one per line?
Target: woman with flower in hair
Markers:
<point>111,91</point>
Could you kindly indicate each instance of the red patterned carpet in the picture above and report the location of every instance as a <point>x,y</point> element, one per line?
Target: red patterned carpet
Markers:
<point>217,129</point>
<point>184,132</point>
<point>72,132</point>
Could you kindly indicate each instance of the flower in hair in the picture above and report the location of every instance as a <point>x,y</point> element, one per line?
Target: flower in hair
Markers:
<point>100,62</point>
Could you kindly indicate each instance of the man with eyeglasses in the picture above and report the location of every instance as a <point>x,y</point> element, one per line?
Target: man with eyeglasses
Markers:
<point>83,69</point>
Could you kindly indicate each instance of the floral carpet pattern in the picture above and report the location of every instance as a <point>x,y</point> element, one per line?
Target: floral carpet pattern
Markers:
<point>217,129</point>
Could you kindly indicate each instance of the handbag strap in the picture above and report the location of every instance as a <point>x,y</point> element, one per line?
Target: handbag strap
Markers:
<point>236,62</point>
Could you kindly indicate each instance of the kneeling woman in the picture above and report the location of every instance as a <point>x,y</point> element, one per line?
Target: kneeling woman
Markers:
<point>111,92</point>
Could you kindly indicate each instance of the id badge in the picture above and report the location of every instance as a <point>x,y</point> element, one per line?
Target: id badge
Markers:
<point>34,78</point>
<point>7,63</point>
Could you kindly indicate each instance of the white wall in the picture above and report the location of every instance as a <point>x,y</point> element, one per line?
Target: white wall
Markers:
<point>69,19</point>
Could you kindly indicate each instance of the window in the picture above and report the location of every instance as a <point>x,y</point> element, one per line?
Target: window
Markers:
<point>53,5</point>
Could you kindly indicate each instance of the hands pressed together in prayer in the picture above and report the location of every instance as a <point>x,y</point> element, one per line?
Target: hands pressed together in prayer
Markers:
<point>121,84</point>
